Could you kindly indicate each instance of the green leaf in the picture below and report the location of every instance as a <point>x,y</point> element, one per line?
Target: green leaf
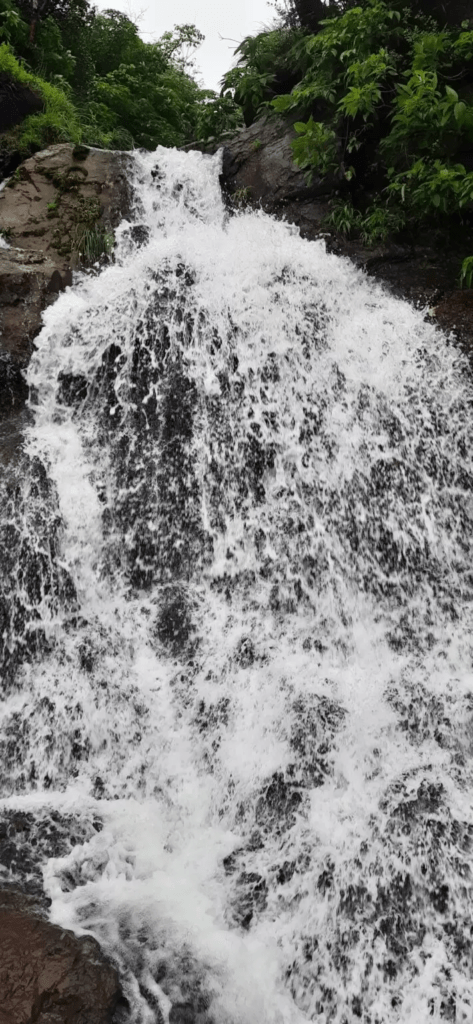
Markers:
<point>452,95</point>
<point>459,110</point>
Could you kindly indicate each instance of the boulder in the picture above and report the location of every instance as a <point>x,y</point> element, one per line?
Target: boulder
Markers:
<point>57,212</point>
<point>59,194</point>
<point>49,975</point>
<point>257,164</point>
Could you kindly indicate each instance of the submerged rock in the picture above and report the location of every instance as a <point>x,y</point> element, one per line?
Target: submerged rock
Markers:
<point>47,974</point>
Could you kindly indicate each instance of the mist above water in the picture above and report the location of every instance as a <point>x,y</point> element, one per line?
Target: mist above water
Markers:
<point>237,624</point>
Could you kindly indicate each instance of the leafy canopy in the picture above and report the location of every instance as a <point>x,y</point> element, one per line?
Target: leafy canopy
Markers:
<point>118,90</point>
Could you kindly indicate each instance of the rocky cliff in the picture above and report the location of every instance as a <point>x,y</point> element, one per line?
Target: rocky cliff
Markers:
<point>57,212</point>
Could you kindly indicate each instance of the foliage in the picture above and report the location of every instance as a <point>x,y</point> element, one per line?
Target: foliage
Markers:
<point>93,244</point>
<point>380,222</point>
<point>58,122</point>
<point>217,115</point>
<point>373,227</point>
<point>264,61</point>
<point>344,218</point>
<point>316,147</point>
<point>102,84</point>
<point>381,95</point>
<point>433,187</point>
<point>466,276</point>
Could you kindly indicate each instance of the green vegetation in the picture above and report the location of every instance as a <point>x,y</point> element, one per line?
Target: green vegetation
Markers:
<point>100,84</point>
<point>381,97</point>
<point>60,120</point>
<point>466,276</point>
<point>380,94</point>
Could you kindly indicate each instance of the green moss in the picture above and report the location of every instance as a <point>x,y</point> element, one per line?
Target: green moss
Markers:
<point>58,122</point>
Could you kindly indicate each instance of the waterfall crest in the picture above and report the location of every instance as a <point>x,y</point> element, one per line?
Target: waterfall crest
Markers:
<point>236,619</point>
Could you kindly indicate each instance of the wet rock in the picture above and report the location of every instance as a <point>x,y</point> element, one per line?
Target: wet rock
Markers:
<point>245,654</point>
<point>49,975</point>
<point>25,290</point>
<point>315,722</point>
<point>454,313</point>
<point>72,389</point>
<point>47,206</point>
<point>174,623</point>
<point>28,840</point>
<point>258,170</point>
<point>251,897</point>
<point>258,165</point>
<point>31,565</point>
<point>278,804</point>
<point>182,1013</point>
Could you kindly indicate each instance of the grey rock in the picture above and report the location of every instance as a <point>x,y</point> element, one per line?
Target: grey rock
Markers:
<point>259,159</point>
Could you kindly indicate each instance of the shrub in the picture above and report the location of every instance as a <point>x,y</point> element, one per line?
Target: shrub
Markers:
<point>384,96</point>
<point>58,122</point>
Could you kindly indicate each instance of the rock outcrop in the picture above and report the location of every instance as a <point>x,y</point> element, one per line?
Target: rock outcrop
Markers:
<point>258,170</point>
<point>57,203</point>
<point>49,975</point>
<point>258,161</point>
<point>57,211</point>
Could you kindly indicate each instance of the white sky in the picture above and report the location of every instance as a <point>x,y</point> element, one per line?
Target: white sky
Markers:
<point>223,23</point>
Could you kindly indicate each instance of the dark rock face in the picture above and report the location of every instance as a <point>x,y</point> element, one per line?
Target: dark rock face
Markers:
<point>25,279</point>
<point>258,170</point>
<point>258,162</point>
<point>16,102</point>
<point>47,974</point>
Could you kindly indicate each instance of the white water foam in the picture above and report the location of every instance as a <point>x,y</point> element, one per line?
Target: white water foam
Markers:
<point>262,466</point>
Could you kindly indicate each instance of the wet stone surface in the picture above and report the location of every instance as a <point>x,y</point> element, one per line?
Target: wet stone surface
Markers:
<point>28,841</point>
<point>47,974</point>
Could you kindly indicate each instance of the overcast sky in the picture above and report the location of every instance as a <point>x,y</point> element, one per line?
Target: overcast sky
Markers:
<point>224,24</point>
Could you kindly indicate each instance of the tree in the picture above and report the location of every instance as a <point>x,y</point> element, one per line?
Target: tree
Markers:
<point>37,10</point>
<point>310,13</point>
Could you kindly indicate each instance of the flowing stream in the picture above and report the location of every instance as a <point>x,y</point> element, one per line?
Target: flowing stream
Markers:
<point>236,610</point>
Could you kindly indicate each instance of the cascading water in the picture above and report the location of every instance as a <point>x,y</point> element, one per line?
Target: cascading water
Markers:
<point>236,614</point>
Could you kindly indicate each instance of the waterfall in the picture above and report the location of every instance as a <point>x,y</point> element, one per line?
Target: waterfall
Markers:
<point>237,575</point>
